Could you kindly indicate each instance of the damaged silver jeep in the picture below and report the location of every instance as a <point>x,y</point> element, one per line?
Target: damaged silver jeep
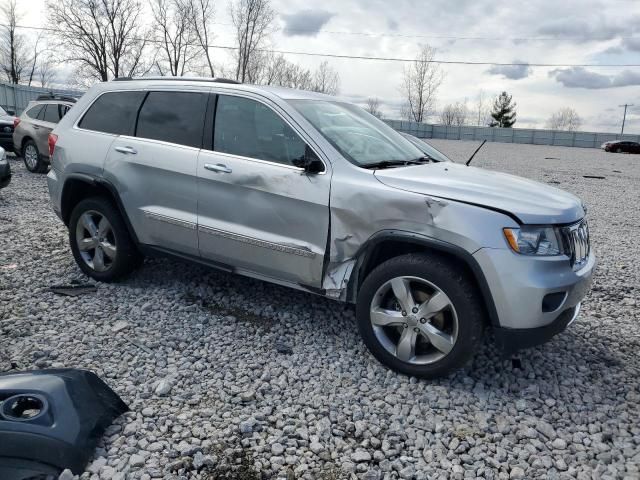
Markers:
<point>311,192</point>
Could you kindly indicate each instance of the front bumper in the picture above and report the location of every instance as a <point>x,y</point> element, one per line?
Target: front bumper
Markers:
<point>522,286</point>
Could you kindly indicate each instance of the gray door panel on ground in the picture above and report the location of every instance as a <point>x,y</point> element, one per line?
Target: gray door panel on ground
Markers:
<point>266,217</point>
<point>157,185</point>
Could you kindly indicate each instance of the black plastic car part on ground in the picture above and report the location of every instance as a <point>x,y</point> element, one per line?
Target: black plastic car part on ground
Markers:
<point>5,173</point>
<point>51,420</point>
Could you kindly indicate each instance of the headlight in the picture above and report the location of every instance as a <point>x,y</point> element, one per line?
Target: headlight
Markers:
<point>528,240</point>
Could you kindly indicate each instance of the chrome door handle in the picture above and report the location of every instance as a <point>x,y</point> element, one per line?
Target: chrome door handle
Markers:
<point>218,168</point>
<point>36,127</point>
<point>127,150</point>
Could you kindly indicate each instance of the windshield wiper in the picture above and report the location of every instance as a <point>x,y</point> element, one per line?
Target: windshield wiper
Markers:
<point>396,163</point>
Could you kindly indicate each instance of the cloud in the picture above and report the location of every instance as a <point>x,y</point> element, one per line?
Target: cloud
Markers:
<point>392,24</point>
<point>579,77</point>
<point>512,72</point>
<point>631,43</point>
<point>306,23</point>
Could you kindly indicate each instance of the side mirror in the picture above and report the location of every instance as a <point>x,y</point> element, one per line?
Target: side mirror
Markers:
<point>309,162</point>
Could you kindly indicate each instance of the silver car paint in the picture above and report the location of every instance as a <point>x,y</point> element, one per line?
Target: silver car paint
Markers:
<point>277,223</point>
<point>35,129</point>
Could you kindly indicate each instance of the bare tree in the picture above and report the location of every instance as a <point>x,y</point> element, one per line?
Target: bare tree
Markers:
<point>565,119</point>
<point>277,70</point>
<point>252,20</point>
<point>421,81</point>
<point>202,13</point>
<point>326,79</point>
<point>454,114</point>
<point>482,110</point>
<point>14,52</point>
<point>175,33</point>
<point>104,38</point>
<point>373,107</point>
<point>46,72</point>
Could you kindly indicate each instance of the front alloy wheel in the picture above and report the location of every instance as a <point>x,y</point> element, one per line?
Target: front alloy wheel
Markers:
<point>420,314</point>
<point>414,320</point>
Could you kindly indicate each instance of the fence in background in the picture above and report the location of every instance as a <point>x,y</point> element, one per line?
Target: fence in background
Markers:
<point>16,97</point>
<point>510,135</point>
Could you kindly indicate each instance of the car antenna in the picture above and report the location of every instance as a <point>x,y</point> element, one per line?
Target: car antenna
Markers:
<point>474,153</point>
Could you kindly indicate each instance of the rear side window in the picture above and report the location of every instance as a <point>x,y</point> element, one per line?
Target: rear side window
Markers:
<point>248,128</point>
<point>113,112</point>
<point>53,112</point>
<point>175,117</point>
<point>34,111</point>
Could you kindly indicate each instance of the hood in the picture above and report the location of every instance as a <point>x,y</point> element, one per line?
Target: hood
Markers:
<point>531,202</point>
<point>7,119</point>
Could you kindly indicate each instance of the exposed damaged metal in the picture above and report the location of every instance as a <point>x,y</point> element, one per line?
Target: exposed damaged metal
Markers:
<point>51,420</point>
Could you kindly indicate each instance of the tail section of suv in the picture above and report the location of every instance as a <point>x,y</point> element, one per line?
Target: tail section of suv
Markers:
<point>32,129</point>
<point>311,192</point>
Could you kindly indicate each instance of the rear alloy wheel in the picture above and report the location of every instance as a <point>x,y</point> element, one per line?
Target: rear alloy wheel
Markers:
<point>100,240</point>
<point>420,315</point>
<point>32,159</point>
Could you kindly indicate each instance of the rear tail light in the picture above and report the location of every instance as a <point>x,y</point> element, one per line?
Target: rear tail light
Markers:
<point>16,122</point>
<point>52,144</point>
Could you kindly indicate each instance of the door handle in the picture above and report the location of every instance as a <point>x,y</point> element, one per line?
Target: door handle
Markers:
<point>36,127</point>
<point>218,168</point>
<point>127,150</point>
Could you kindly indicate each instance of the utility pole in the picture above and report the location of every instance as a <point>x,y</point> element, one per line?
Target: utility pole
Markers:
<point>624,116</point>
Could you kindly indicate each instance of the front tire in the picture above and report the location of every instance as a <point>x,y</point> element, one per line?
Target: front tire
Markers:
<point>32,158</point>
<point>420,315</point>
<point>100,241</point>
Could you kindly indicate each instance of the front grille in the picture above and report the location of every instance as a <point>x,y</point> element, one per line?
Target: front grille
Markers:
<point>576,243</point>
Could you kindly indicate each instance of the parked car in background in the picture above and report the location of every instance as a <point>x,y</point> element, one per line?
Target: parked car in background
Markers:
<point>32,129</point>
<point>5,169</point>
<point>312,192</point>
<point>7,121</point>
<point>621,146</point>
<point>426,148</point>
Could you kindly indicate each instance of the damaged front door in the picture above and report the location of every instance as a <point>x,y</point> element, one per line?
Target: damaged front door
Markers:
<point>257,210</point>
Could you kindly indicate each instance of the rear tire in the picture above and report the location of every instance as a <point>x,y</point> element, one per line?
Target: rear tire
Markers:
<point>100,241</point>
<point>445,340</point>
<point>32,158</point>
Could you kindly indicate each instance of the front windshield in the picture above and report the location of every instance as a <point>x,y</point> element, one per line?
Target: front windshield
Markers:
<point>427,148</point>
<point>359,136</point>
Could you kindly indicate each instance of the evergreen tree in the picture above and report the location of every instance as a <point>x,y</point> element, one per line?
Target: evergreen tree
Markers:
<point>504,112</point>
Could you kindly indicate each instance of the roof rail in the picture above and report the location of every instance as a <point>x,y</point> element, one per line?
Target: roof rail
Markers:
<point>52,96</point>
<point>188,79</point>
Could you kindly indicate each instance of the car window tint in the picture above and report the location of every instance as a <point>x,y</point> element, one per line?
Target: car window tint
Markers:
<point>175,117</point>
<point>34,111</point>
<point>250,129</point>
<point>51,114</point>
<point>113,112</point>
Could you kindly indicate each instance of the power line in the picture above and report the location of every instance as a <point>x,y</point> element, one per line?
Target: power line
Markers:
<point>391,59</point>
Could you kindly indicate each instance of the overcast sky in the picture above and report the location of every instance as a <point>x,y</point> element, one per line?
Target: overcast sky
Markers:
<point>541,31</point>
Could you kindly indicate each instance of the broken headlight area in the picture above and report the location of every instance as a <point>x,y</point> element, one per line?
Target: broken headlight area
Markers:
<point>51,420</point>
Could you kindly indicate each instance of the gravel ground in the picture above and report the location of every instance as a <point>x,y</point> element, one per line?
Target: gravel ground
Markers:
<point>201,358</point>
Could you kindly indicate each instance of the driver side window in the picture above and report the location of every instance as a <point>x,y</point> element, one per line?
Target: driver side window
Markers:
<point>248,128</point>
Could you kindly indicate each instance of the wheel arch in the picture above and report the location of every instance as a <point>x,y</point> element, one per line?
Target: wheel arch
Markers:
<point>392,243</point>
<point>79,186</point>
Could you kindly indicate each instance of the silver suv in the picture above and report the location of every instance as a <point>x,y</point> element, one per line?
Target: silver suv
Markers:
<point>311,192</point>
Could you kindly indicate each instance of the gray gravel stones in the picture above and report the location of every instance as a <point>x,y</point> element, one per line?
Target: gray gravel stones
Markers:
<point>242,407</point>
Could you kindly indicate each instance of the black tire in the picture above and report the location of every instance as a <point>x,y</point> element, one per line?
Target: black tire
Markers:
<point>39,166</point>
<point>449,278</point>
<point>127,257</point>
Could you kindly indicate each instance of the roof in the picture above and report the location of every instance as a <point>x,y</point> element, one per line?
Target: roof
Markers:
<point>282,92</point>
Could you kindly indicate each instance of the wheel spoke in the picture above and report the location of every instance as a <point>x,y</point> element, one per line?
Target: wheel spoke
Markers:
<point>406,348</point>
<point>109,250</point>
<point>384,318</point>
<point>434,305</point>
<point>86,244</point>
<point>402,292</point>
<point>98,259</point>
<point>104,227</point>
<point>439,339</point>
<point>89,224</point>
